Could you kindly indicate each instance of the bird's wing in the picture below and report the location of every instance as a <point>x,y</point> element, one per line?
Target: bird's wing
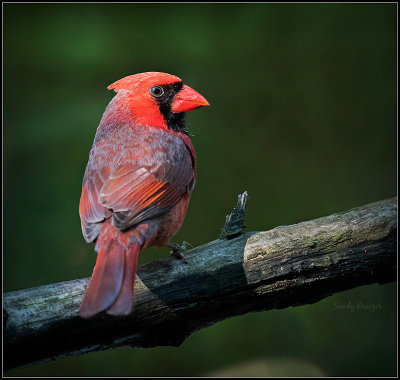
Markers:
<point>91,211</point>
<point>135,194</point>
<point>134,191</point>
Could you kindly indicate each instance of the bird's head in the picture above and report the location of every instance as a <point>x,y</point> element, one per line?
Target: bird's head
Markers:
<point>158,99</point>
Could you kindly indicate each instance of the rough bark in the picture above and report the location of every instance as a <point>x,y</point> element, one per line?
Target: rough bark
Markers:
<point>238,273</point>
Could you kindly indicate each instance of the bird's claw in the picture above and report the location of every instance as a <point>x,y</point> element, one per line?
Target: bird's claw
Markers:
<point>177,250</point>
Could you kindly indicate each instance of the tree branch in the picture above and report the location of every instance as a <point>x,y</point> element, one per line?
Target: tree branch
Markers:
<point>286,266</point>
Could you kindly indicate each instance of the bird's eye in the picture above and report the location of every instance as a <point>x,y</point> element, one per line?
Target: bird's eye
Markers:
<point>157,91</point>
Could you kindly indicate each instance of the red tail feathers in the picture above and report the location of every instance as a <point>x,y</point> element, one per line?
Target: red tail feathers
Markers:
<point>112,283</point>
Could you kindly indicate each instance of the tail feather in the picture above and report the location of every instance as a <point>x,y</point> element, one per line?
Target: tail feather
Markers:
<point>106,281</point>
<point>123,305</point>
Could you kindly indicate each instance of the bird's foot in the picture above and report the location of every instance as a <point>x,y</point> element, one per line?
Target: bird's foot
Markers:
<point>177,250</point>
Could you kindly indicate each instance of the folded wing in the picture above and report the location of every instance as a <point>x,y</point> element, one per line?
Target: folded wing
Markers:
<point>133,192</point>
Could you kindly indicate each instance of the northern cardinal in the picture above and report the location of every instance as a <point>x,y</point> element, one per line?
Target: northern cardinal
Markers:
<point>137,184</point>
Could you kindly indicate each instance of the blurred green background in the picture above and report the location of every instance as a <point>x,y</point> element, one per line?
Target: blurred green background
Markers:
<point>302,116</point>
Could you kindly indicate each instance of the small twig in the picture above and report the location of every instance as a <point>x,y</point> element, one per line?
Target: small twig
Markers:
<point>234,222</point>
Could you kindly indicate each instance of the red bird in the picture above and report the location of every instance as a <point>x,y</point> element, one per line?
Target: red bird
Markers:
<point>137,184</point>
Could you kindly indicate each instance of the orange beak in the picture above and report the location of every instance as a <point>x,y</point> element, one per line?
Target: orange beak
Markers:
<point>187,100</point>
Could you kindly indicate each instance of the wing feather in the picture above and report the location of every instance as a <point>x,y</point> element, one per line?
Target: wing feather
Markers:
<point>135,189</point>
